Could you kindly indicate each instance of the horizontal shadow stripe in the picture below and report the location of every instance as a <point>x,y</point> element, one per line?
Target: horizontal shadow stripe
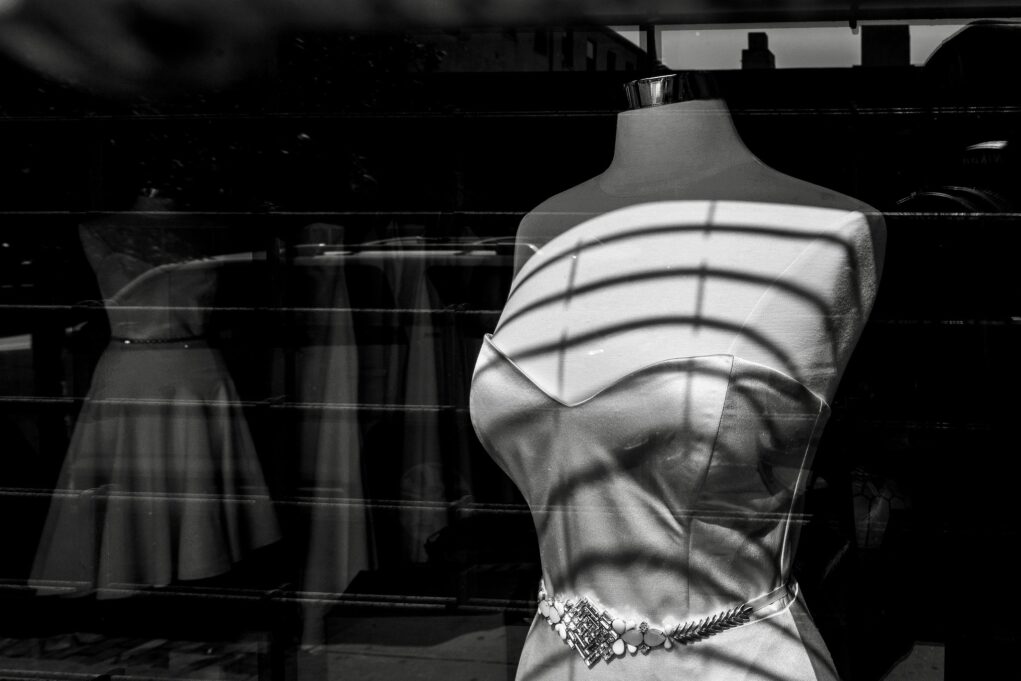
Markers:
<point>805,294</point>
<point>678,229</point>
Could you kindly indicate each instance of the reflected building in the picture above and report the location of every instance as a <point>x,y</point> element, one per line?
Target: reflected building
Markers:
<point>595,48</point>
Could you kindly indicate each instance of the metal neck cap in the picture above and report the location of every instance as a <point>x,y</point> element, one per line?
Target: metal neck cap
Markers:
<point>669,88</point>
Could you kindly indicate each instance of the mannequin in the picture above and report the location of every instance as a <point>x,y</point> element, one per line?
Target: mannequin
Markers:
<point>656,387</point>
<point>681,144</point>
<point>161,481</point>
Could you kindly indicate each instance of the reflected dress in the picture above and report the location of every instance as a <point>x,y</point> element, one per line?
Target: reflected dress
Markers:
<point>161,481</point>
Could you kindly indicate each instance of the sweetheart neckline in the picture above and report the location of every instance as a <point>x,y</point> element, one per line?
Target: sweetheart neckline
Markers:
<point>488,340</point>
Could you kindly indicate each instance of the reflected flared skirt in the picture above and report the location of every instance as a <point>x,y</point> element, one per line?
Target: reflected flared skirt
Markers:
<point>161,481</point>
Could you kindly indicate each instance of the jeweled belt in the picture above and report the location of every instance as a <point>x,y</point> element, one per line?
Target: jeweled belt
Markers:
<point>598,635</point>
<point>155,341</point>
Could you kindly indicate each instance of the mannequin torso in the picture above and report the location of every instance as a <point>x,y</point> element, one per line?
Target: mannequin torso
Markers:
<point>824,250</point>
<point>658,381</point>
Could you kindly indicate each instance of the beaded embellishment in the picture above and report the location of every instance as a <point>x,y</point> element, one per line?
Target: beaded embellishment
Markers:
<point>598,635</point>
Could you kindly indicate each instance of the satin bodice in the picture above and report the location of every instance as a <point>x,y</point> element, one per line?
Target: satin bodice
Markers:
<point>671,493</point>
<point>656,387</point>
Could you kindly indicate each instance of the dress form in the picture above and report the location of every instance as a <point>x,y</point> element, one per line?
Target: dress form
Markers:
<point>689,150</point>
<point>657,384</point>
<point>161,481</point>
<point>685,148</point>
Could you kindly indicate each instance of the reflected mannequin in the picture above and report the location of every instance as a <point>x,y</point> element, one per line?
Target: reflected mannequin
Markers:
<point>161,481</point>
<point>656,387</point>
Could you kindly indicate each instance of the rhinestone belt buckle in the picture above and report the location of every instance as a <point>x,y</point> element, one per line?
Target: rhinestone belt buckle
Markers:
<point>588,632</point>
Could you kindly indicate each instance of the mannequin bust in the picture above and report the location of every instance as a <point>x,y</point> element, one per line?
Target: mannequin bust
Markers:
<point>656,387</point>
<point>688,150</point>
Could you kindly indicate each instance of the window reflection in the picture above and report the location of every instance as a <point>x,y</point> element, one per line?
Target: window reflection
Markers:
<point>161,482</point>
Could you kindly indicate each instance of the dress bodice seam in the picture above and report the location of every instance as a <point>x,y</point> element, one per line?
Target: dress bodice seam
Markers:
<point>491,343</point>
